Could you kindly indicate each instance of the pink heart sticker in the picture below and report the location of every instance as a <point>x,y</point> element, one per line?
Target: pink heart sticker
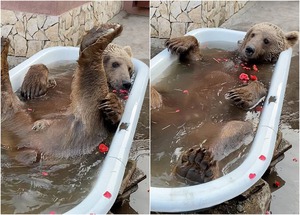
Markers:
<point>107,194</point>
<point>262,157</point>
<point>252,175</point>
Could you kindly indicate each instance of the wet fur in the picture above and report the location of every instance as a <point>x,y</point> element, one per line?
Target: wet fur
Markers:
<point>81,128</point>
<point>200,164</point>
<point>278,41</point>
<point>118,66</point>
<point>156,99</point>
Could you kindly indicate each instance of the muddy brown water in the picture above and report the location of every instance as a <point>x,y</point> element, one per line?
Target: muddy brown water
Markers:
<point>195,109</point>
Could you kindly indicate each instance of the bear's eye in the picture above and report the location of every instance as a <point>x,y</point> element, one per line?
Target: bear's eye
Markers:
<point>129,69</point>
<point>266,41</point>
<point>252,35</point>
<point>115,64</point>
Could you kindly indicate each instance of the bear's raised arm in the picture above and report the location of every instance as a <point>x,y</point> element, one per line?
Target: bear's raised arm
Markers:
<point>10,103</point>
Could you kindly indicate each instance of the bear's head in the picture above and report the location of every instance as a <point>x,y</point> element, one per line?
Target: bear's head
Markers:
<point>265,41</point>
<point>118,66</point>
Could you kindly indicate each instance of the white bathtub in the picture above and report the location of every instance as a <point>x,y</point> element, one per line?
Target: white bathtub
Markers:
<point>236,182</point>
<point>113,168</point>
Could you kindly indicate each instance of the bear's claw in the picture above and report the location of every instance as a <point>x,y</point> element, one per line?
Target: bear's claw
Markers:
<point>36,82</point>
<point>111,108</point>
<point>247,97</point>
<point>41,124</point>
<point>106,31</point>
<point>197,165</point>
<point>181,45</point>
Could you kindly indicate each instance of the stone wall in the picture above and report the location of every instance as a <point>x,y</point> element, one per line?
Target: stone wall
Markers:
<point>175,18</point>
<point>31,32</point>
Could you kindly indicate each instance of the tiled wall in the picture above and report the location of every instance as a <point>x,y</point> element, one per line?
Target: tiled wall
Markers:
<point>31,32</point>
<point>170,19</point>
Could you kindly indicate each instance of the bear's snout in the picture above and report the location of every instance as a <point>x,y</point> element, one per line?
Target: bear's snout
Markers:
<point>126,85</point>
<point>249,51</point>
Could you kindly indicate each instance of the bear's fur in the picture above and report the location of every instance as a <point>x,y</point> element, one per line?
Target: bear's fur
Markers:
<point>156,99</point>
<point>265,41</point>
<point>82,127</point>
<point>10,103</point>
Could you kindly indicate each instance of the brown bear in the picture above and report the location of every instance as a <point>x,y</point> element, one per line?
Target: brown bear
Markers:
<point>82,126</point>
<point>263,43</point>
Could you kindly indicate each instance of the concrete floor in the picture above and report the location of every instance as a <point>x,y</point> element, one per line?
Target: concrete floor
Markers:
<point>135,34</point>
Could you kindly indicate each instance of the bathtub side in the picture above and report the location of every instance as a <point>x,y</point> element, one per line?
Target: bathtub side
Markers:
<point>106,188</point>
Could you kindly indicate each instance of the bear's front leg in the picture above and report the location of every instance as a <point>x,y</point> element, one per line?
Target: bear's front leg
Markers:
<point>187,47</point>
<point>112,109</point>
<point>249,96</point>
<point>27,156</point>
<point>36,82</point>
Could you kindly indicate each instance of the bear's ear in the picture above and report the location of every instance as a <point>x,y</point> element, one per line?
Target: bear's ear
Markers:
<point>128,50</point>
<point>292,37</point>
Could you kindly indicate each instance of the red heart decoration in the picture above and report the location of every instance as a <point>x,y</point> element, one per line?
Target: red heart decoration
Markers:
<point>262,157</point>
<point>276,184</point>
<point>186,92</point>
<point>103,148</point>
<point>52,212</point>
<point>45,173</point>
<point>253,77</point>
<point>107,194</point>
<point>252,175</point>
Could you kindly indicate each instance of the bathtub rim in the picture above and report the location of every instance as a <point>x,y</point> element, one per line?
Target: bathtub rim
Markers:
<point>110,176</point>
<point>236,182</point>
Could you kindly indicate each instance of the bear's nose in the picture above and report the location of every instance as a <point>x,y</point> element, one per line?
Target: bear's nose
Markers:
<point>249,50</point>
<point>126,84</point>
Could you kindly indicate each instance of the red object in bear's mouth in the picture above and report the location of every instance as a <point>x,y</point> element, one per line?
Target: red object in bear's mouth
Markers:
<point>123,91</point>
